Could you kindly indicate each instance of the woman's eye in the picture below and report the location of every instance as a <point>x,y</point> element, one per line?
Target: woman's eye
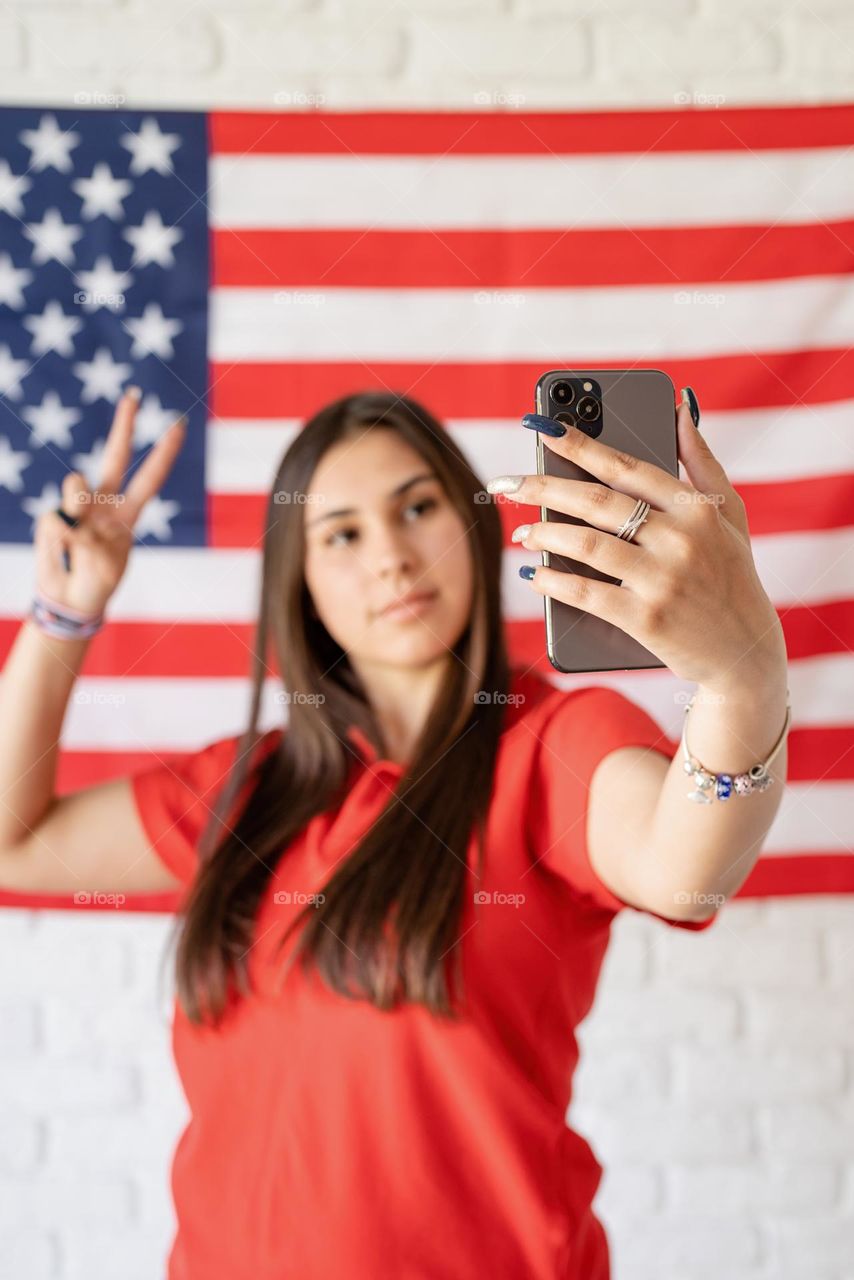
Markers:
<point>330,541</point>
<point>424,504</point>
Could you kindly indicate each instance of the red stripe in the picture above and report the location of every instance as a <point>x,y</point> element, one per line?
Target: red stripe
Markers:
<point>814,630</point>
<point>787,506</point>
<point>811,873</point>
<point>822,752</point>
<point>499,133</point>
<point>237,519</point>
<point>156,649</point>
<point>529,259</point>
<point>505,388</point>
<point>772,877</point>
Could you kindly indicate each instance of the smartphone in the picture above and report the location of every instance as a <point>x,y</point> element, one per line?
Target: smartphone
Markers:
<point>629,409</point>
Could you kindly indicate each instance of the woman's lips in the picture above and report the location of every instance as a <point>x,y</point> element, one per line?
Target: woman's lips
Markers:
<point>410,606</point>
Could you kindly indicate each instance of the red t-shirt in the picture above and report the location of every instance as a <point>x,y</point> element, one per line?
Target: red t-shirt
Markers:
<point>330,1139</point>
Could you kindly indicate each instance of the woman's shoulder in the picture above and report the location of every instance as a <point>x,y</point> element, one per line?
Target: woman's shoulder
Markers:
<point>588,709</point>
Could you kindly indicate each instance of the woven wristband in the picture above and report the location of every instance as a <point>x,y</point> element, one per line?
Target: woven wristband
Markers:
<point>63,622</point>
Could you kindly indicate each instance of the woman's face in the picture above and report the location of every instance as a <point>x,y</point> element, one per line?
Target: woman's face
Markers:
<point>378,526</point>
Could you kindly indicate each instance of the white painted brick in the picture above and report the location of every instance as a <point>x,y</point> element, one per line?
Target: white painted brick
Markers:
<point>475,51</point>
<point>484,10</point>
<point>130,1255</point>
<point>839,949</point>
<point>822,1241</point>
<point>112,1142</point>
<point>12,54</point>
<point>823,1019</point>
<point>778,1187</point>
<point>662,1011</point>
<point>818,46</point>
<point>627,962</point>
<point>21,1144</point>
<point>44,1087</point>
<point>734,953</point>
<point>719,52</point>
<point>181,39</point>
<point>775,1074</point>
<point>107,1031</point>
<point>619,1073</point>
<point>77,962</point>
<point>628,1191</point>
<point>809,1130</point>
<point>670,1132</point>
<point>19,1034</point>
<point>47,1201</point>
<point>712,1246</point>
<point>673,9</point>
<point>28,1255</point>
<point>255,46</point>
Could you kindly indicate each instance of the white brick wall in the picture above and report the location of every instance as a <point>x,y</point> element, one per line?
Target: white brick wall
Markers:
<point>716,1077</point>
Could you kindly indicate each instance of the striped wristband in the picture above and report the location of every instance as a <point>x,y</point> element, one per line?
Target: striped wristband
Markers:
<point>63,622</point>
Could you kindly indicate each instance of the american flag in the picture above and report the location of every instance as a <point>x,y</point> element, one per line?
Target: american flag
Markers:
<point>244,269</point>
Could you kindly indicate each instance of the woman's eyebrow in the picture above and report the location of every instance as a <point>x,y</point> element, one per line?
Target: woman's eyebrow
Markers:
<point>395,493</point>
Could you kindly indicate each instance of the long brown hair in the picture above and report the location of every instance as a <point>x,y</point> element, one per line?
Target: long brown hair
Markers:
<point>389,915</point>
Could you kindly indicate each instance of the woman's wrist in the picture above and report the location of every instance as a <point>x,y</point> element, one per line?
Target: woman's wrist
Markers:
<point>61,621</point>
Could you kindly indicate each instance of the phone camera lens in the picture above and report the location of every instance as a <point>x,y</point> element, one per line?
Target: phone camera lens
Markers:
<point>563,393</point>
<point>588,409</point>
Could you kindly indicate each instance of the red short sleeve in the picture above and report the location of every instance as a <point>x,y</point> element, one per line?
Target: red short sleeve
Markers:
<point>175,796</point>
<point>584,726</point>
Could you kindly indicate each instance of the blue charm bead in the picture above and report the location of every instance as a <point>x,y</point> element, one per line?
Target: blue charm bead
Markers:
<point>723,787</point>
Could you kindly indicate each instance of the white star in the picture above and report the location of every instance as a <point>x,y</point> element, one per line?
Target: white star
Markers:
<point>13,282</point>
<point>152,333</point>
<point>51,421</point>
<point>102,193</point>
<point>153,241</point>
<point>151,149</point>
<point>103,286</point>
<point>91,463</point>
<point>48,500</point>
<point>53,330</point>
<point>155,516</point>
<point>151,421</point>
<point>49,147</point>
<point>12,463</point>
<point>102,377</point>
<point>12,187</point>
<point>52,238</point>
<point>11,373</point>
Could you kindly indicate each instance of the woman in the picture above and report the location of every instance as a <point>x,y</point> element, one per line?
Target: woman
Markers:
<point>395,907</point>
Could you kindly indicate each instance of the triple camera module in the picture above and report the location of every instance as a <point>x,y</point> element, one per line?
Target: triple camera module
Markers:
<point>577,401</point>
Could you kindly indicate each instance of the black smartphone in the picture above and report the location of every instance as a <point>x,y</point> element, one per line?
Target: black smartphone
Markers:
<point>629,409</point>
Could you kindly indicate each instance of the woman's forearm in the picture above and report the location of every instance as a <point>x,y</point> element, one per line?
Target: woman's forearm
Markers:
<point>37,681</point>
<point>705,852</point>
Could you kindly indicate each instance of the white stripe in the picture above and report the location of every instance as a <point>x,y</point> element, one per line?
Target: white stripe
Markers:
<point>795,569</point>
<point>161,716</point>
<point>650,323</point>
<point>754,446</point>
<point>813,683</point>
<point>622,190</point>
<point>196,584</point>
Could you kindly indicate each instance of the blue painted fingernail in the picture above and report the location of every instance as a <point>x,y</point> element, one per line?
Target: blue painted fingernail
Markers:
<point>539,422</point>
<point>690,399</point>
<point>527,571</point>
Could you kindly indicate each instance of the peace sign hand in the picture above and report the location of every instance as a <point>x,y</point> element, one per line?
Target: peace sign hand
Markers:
<point>687,587</point>
<point>97,548</point>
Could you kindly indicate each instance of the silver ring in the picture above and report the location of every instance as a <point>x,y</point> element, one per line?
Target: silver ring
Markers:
<point>635,520</point>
